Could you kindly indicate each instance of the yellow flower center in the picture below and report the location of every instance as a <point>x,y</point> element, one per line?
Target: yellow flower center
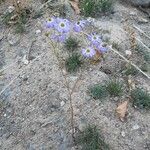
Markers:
<point>94,38</point>
<point>62,24</point>
<point>78,22</point>
<point>49,19</point>
<point>88,50</point>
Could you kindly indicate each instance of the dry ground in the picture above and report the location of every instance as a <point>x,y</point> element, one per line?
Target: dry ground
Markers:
<point>31,114</point>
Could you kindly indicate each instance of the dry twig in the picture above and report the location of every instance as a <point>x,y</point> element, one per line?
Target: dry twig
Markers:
<point>141,31</point>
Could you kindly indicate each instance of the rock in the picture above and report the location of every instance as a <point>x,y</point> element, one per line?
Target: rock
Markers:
<point>82,126</point>
<point>25,61</point>
<point>136,127</point>
<point>123,134</point>
<point>38,31</point>
<point>116,99</point>
<point>128,52</point>
<point>62,103</point>
<point>143,3</point>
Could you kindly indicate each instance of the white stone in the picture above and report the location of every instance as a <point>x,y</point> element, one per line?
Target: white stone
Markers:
<point>133,13</point>
<point>38,31</point>
<point>62,103</point>
<point>123,134</point>
<point>128,52</point>
<point>25,61</point>
<point>136,127</point>
<point>82,126</point>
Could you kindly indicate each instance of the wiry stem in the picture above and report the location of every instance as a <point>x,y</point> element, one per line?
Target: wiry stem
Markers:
<point>70,91</point>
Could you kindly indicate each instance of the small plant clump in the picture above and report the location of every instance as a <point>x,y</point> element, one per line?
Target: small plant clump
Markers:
<point>146,55</point>
<point>18,19</point>
<point>98,91</point>
<point>92,8</point>
<point>90,139</point>
<point>1,1</point>
<point>141,98</point>
<point>114,87</point>
<point>71,44</point>
<point>73,63</point>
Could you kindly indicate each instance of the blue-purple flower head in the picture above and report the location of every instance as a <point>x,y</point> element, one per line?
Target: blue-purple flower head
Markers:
<point>88,52</point>
<point>50,22</point>
<point>78,26</point>
<point>102,49</point>
<point>95,39</point>
<point>62,25</point>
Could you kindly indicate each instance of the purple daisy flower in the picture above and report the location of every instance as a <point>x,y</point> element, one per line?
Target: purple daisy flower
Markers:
<point>102,49</point>
<point>79,26</point>
<point>62,25</point>
<point>50,23</point>
<point>88,52</point>
<point>59,38</point>
<point>95,39</point>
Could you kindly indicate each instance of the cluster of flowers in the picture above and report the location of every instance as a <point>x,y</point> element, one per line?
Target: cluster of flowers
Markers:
<point>64,26</point>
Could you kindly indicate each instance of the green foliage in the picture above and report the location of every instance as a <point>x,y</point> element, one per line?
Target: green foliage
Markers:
<point>19,28</point>
<point>90,139</point>
<point>98,91</point>
<point>142,51</point>
<point>92,8</point>
<point>145,67</point>
<point>115,45</point>
<point>73,63</point>
<point>71,44</point>
<point>19,21</point>
<point>141,98</point>
<point>147,56</point>
<point>114,87</point>
<point>7,17</point>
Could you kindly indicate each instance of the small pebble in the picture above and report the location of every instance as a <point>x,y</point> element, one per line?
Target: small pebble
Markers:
<point>128,53</point>
<point>136,127</point>
<point>25,61</point>
<point>62,103</point>
<point>5,115</point>
<point>123,134</point>
<point>38,31</point>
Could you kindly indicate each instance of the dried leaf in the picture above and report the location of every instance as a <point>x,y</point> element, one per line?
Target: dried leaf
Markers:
<point>97,58</point>
<point>75,5</point>
<point>131,83</point>
<point>122,110</point>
